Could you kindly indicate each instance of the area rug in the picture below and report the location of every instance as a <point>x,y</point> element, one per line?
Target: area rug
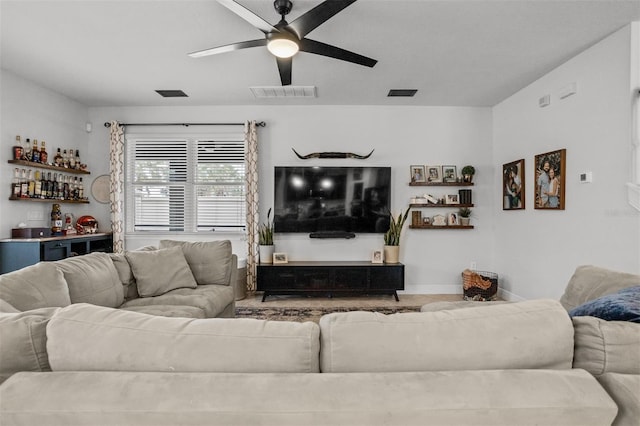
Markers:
<point>310,314</point>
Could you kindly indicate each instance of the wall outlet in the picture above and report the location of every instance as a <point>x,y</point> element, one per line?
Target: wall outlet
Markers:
<point>473,266</point>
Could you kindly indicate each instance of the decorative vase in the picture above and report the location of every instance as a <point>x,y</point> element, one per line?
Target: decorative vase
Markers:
<point>266,254</point>
<point>391,254</point>
<point>464,221</point>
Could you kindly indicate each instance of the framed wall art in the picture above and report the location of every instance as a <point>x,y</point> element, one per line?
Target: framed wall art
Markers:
<point>513,185</point>
<point>418,174</point>
<point>377,257</point>
<point>449,173</point>
<point>280,258</point>
<point>434,173</point>
<point>550,179</point>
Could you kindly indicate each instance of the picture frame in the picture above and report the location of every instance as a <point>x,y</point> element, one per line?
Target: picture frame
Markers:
<point>377,256</point>
<point>513,185</point>
<point>452,219</point>
<point>434,174</point>
<point>449,174</point>
<point>550,180</point>
<point>452,199</point>
<point>418,174</point>
<point>280,258</point>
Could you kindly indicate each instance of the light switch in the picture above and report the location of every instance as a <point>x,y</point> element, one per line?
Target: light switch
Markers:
<point>586,177</point>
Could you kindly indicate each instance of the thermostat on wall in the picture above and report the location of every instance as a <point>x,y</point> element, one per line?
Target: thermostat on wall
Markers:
<point>586,177</point>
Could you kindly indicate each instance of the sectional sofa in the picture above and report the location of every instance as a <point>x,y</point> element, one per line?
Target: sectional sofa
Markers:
<point>520,363</point>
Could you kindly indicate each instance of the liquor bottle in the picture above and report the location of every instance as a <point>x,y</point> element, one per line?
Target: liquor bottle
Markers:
<point>80,190</point>
<point>57,160</point>
<point>44,155</point>
<point>54,187</point>
<point>72,160</point>
<point>48,186</point>
<point>18,150</point>
<point>43,185</point>
<point>78,164</point>
<point>15,184</point>
<point>35,152</point>
<point>56,220</point>
<point>31,184</point>
<point>27,150</point>
<point>66,187</point>
<point>74,189</point>
<point>65,159</point>
<point>60,187</point>
<point>37,192</point>
<point>24,185</point>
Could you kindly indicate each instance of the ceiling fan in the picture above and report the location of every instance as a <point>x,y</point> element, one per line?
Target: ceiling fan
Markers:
<point>285,39</point>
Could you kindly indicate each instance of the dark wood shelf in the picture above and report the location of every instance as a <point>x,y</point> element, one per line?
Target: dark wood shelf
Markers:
<point>441,227</point>
<point>49,200</point>
<point>440,183</point>
<point>48,167</point>
<point>440,205</point>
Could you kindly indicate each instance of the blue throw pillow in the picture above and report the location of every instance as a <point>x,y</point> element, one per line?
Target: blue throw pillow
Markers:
<point>621,306</point>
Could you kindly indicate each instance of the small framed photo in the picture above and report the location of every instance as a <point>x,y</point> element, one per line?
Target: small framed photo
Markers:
<point>280,258</point>
<point>550,180</point>
<point>449,173</point>
<point>452,199</point>
<point>453,219</point>
<point>434,173</point>
<point>513,185</point>
<point>418,174</point>
<point>377,256</point>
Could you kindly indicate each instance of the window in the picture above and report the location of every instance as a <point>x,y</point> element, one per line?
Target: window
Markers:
<point>185,184</point>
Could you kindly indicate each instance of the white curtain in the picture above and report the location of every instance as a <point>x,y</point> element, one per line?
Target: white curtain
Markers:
<point>116,185</point>
<point>253,217</point>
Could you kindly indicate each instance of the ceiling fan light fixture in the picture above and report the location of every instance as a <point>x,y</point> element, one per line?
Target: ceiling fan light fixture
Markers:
<point>283,47</point>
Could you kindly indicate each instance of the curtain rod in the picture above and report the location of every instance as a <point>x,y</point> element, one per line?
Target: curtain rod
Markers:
<point>259,124</point>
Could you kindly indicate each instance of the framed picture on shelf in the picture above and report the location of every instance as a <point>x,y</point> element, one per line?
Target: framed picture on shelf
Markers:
<point>513,185</point>
<point>550,175</point>
<point>418,174</point>
<point>449,173</point>
<point>377,256</point>
<point>453,219</point>
<point>452,199</point>
<point>280,258</point>
<point>434,173</point>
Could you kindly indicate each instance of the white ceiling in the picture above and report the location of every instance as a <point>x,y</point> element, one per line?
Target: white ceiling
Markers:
<point>455,52</point>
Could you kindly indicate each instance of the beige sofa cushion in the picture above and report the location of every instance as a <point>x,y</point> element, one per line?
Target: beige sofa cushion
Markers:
<point>625,391</point>
<point>89,338</point>
<point>590,282</point>
<point>532,334</point>
<point>159,271</point>
<point>606,346</point>
<point>92,278</point>
<point>37,286</point>
<point>210,261</point>
<point>23,341</point>
<point>168,310</point>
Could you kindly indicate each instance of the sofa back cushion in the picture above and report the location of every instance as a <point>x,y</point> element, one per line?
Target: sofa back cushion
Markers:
<point>24,341</point>
<point>525,335</point>
<point>159,271</point>
<point>37,286</point>
<point>606,346</point>
<point>591,282</point>
<point>92,338</point>
<point>92,278</point>
<point>125,275</point>
<point>210,261</point>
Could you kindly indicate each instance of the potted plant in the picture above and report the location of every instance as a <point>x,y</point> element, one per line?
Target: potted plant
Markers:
<point>392,237</point>
<point>467,173</point>
<point>265,240</point>
<point>464,214</point>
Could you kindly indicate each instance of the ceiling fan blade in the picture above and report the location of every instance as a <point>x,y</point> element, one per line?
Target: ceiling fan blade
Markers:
<point>319,48</point>
<point>248,16</point>
<point>284,66</point>
<point>229,48</point>
<point>306,23</point>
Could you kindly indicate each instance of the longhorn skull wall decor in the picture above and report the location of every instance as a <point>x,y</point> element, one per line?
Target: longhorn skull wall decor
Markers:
<point>333,155</point>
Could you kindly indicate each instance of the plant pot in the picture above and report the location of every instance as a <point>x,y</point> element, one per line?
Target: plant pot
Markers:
<point>464,221</point>
<point>266,254</point>
<point>467,178</point>
<point>391,254</point>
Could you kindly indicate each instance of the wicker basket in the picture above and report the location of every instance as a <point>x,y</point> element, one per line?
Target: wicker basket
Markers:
<point>479,285</point>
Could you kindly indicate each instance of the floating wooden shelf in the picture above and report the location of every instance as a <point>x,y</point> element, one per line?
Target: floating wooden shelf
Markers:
<point>48,167</point>
<point>440,183</point>
<point>453,206</point>
<point>48,200</point>
<point>441,227</point>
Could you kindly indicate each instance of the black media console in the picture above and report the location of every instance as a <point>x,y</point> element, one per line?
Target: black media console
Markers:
<point>330,278</point>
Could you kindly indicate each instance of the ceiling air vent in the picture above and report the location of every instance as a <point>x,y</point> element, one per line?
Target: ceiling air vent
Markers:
<point>407,93</point>
<point>283,91</point>
<point>172,93</point>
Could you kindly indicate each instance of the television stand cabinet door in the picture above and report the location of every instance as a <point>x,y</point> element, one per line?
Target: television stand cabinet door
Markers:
<point>330,278</point>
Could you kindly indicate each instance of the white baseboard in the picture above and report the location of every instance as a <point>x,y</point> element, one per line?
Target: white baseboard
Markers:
<point>432,289</point>
<point>507,295</point>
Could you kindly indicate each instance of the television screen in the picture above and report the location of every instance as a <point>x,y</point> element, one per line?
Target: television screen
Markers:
<point>332,199</point>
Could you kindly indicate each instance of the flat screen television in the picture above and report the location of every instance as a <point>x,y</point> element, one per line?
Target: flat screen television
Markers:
<point>332,201</point>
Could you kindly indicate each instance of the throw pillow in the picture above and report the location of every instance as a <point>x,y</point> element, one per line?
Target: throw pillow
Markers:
<point>160,271</point>
<point>621,306</point>
<point>37,286</point>
<point>210,261</point>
